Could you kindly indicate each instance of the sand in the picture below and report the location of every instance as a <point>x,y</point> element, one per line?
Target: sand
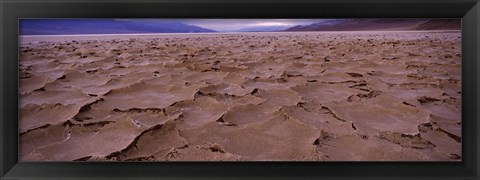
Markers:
<point>286,96</point>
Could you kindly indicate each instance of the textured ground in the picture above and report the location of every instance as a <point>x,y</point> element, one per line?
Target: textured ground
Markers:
<point>317,96</point>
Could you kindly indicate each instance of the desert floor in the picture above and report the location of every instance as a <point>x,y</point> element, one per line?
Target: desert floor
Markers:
<point>300,96</point>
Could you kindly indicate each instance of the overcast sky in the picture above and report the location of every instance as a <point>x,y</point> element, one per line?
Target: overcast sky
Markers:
<point>238,24</point>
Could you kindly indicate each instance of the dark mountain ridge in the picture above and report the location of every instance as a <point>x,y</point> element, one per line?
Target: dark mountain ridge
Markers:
<point>380,24</point>
<point>444,24</point>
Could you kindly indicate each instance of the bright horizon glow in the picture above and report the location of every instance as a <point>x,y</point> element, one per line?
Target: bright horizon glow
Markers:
<point>271,24</point>
<point>228,25</point>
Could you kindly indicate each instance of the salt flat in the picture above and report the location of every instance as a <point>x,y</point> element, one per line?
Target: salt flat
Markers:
<point>280,96</point>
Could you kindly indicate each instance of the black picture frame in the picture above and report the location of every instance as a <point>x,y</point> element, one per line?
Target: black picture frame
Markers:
<point>12,10</point>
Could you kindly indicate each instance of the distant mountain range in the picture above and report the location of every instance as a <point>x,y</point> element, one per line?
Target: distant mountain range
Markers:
<point>103,26</point>
<point>380,24</point>
<point>264,29</point>
<point>134,26</point>
<point>450,24</point>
